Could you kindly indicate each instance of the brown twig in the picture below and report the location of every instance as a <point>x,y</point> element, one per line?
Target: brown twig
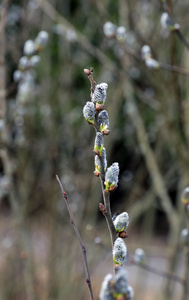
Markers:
<point>162,66</point>
<point>90,76</point>
<point>177,30</point>
<point>158,272</point>
<point>182,38</point>
<point>82,247</point>
<point>173,68</point>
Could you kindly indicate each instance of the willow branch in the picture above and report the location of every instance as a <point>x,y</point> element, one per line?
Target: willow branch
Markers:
<point>13,192</point>
<point>94,51</point>
<point>82,247</point>
<point>175,69</point>
<point>3,14</point>
<point>55,16</point>
<point>186,284</point>
<point>149,156</point>
<point>177,31</point>
<point>106,208</point>
<point>182,38</point>
<point>162,65</point>
<point>158,272</point>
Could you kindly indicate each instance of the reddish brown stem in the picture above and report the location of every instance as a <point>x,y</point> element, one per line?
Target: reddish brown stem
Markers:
<point>90,76</point>
<point>158,272</point>
<point>82,247</point>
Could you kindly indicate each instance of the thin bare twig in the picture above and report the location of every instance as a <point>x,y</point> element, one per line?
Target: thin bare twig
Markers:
<point>90,76</point>
<point>158,272</point>
<point>172,68</point>
<point>162,65</point>
<point>182,38</point>
<point>82,247</point>
<point>177,30</point>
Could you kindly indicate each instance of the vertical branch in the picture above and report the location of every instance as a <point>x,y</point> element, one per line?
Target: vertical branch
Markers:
<point>82,247</point>
<point>186,277</point>
<point>185,294</point>
<point>106,208</point>
<point>13,193</point>
<point>151,162</point>
<point>3,14</point>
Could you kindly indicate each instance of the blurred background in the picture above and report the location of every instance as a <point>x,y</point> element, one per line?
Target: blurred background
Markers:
<point>43,133</point>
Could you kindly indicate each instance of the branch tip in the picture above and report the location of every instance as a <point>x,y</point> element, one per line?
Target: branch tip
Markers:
<point>87,72</point>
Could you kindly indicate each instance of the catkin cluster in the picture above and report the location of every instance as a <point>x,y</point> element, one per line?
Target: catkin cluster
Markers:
<point>25,74</point>
<point>22,107</point>
<point>113,287</point>
<point>96,115</point>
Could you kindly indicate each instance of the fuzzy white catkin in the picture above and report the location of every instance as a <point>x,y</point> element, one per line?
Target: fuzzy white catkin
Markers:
<point>185,194</point>
<point>130,293</point>
<point>121,281</point>
<point>17,75</point>
<point>99,95</point>
<point>25,90</point>
<point>29,48</point>
<point>146,52</point>
<point>29,76</point>
<point>184,237</point>
<point>121,221</point>
<point>103,118</point>
<point>139,256</point>
<point>152,63</point>
<point>104,158</point>
<point>121,33</point>
<point>105,293</point>
<point>97,159</point>
<point>35,60</point>
<point>109,29</point>
<point>99,140</point>
<point>119,251</point>
<point>89,111</point>
<point>23,63</point>
<point>166,21</point>
<point>42,38</point>
<point>1,124</point>
<point>112,174</point>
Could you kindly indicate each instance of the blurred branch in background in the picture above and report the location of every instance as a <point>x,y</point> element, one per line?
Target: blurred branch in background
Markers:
<point>7,163</point>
